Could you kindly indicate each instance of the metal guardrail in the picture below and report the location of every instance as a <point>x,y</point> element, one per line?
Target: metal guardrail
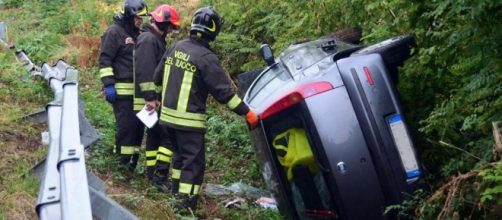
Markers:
<point>65,172</point>
<point>67,190</point>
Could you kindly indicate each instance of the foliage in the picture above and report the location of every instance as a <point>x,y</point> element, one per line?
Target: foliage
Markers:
<point>227,144</point>
<point>458,54</point>
<point>493,179</point>
<point>54,29</point>
<point>405,210</point>
<point>12,3</point>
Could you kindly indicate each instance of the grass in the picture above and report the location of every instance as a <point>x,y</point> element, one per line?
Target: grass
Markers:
<point>71,31</point>
<point>19,139</point>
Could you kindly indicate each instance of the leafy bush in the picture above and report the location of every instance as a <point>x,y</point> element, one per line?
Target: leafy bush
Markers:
<point>11,3</point>
<point>451,88</point>
<point>493,179</point>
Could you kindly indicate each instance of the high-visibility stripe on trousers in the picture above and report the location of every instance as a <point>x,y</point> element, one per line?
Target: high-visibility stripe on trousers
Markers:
<point>159,150</point>
<point>164,155</point>
<point>190,158</point>
<point>128,131</point>
<point>176,173</point>
<point>151,157</point>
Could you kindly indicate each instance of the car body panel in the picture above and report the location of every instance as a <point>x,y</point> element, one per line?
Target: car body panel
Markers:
<point>350,162</point>
<point>375,103</point>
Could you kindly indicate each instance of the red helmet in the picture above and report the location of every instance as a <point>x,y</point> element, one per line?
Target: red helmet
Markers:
<point>166,13</point>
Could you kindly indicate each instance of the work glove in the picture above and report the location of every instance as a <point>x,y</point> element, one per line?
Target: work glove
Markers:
<point>110,93</point>
<point>252,118</point>
<point>152,106</point>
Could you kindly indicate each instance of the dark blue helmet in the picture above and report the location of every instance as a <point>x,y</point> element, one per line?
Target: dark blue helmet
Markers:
<point>132,8</point>
<point>207,22</point>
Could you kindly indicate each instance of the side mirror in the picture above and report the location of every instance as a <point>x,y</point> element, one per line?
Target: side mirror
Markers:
<point>266,53</point>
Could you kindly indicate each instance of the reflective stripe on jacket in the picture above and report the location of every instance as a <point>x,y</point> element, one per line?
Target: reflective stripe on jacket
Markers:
<point>148,52</point>
<point>188,73</point>
<point>116,58</point>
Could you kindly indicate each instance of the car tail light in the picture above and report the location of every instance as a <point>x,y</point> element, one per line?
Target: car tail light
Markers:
<point>369,76</point>
<point>320,214</point>
<point>296,96</point>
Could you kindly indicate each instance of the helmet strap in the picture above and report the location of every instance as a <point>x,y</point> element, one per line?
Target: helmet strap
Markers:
<point>155,27</point>
<point>164,26</point>
<point>200,35</point>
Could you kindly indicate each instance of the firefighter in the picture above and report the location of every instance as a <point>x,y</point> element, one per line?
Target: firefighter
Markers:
<point>189,72</point>
<point>149,49</point>
<point>116,73</point>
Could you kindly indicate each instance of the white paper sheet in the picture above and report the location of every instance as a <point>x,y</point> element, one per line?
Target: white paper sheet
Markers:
<point>149,118</point>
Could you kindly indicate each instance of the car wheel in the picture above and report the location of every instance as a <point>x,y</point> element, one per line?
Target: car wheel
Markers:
<point>350,35</point>
<point>244,80</point>
<point>394,51</point>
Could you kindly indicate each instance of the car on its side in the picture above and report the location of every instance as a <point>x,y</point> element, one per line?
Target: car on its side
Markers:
<point>332,140</point>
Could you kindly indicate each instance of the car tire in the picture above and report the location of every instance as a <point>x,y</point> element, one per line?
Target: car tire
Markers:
<point>244,80</point>
<point>394,51</point>
<point>350,35</point>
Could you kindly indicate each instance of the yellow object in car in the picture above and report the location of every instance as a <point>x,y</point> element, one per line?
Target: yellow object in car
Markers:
<point>293,149</point>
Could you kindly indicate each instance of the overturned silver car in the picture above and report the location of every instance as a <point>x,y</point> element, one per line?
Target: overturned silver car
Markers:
<point>332,139</point>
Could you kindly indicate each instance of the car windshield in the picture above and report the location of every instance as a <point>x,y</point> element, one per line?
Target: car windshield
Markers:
<point>267,83</point>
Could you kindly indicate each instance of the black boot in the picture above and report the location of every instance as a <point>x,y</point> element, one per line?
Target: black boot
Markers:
<point>185,202</point>
<point>175,186</point>
<point>150,173</point>
<point>124,160</point>
<point>125,166</point>
<point>134,162</point>
<point>162,183</point>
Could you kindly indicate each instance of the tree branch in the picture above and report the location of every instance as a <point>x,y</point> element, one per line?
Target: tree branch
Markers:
<point>460,149</point>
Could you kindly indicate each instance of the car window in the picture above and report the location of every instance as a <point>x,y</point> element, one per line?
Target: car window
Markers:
<point>267,83</point>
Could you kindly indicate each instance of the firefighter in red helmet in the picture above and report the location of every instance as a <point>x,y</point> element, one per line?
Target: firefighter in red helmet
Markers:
<point>149,49</point>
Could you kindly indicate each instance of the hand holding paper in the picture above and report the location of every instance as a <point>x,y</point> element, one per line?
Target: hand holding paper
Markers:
<point>149,118</point>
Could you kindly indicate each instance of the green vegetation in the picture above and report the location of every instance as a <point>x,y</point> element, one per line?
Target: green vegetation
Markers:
<point>55,29</point>
<point>451,88</point>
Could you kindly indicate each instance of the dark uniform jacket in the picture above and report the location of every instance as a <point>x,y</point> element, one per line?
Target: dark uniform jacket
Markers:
<point>188,72</point>
<point>116,58</point>
<point>149,49</point>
